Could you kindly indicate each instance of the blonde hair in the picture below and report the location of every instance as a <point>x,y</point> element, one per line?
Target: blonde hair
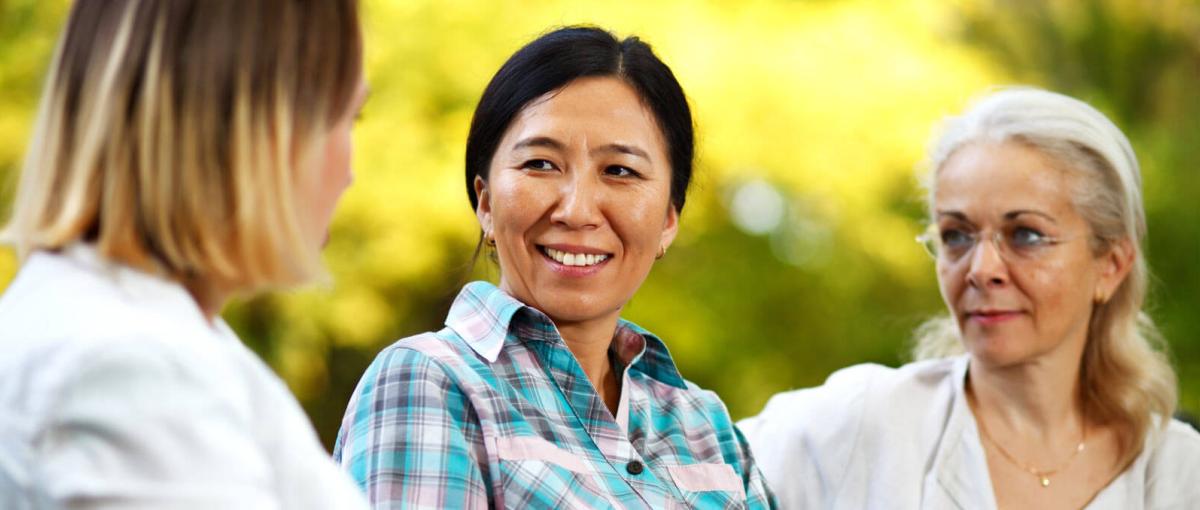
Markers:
<point>174,135</point>
<point>1125,376</point>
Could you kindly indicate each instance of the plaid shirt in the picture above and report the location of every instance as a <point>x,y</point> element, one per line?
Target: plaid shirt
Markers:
<point>495,411</point>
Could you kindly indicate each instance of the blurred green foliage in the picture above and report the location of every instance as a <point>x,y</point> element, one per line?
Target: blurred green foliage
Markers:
<point>795,256</point>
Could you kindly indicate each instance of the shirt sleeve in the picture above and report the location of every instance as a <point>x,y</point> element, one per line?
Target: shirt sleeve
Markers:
<point>758,495</point>
<point>805,440</point>
<point>134,429</point>
<point>411,438</point>
<point>736,452</point>
<point>1174,469</point>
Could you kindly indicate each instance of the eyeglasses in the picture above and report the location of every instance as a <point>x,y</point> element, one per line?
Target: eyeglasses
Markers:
<point>1014,244</point>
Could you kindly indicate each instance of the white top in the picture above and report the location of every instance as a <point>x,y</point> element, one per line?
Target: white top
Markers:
<point>116,392</point>
<point>877,437</point>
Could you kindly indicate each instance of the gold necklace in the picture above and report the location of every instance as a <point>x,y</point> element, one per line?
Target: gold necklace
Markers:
<point>1043,475</point>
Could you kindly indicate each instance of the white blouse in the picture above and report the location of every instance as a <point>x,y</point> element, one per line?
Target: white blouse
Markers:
<point>117,392</point>
<point>877,437</point>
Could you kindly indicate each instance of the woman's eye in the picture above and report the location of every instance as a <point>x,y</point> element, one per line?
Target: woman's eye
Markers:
<point>538,164</point>
<point>1024,237</point>
<point>620,171</point>
<point>954,238</point>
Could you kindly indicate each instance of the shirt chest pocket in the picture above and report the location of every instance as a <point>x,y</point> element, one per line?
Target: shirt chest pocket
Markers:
<point>709,485</point>
<point>535,473</point>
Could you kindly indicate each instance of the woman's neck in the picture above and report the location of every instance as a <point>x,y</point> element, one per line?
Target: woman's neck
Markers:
<point>1039,400</point>
<point>210,297</point>
<point>589,341</point>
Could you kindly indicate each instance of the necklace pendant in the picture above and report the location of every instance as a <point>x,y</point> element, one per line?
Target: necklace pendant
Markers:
<point>1045,481</point>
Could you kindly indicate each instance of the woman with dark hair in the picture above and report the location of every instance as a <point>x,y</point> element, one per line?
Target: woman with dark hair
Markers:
<point>537,393</point>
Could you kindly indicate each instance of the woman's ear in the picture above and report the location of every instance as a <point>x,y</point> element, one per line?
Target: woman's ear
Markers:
<point>670,228</point>
<point>484,208</point>
<point>1114,266</point>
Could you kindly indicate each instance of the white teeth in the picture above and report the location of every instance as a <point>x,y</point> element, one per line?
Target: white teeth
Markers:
<point>575,259</point>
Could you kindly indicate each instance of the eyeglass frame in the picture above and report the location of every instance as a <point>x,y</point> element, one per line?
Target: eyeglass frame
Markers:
<point>930,240</point>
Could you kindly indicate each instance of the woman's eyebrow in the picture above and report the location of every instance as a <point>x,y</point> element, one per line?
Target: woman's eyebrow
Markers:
<point>1008,216</point>
<point>539,141</point>
<point>621,148</point>
<point>1012,215</point>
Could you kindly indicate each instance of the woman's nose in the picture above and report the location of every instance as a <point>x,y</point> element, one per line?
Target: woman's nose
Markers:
<point>578,204</point>
<point>988,268</point>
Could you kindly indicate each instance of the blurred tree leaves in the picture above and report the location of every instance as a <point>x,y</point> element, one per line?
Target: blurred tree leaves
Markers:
<point>27,33</point>
<point>812,120</point>
<point>1139,61</point>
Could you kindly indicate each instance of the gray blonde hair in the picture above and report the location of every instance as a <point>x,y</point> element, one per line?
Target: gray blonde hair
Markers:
<point>1126,378</point>
<point>175,134</point>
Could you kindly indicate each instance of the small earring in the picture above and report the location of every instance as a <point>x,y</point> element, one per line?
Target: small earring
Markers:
<point>1099,298</point>
<point>489,239</point>
<point>662,252</point>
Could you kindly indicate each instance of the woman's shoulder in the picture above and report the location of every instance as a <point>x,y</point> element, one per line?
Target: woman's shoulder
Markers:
<point>441,358</point>
<point>855,400</point>
<point>848,390</point>
<point>117,389</point>
<point>694,398</point>
<point>1176,453</point>
<point>136,364</point>
<point>181,413</point>
<point>1183,438</point>
<point>807,440</point>
<point>1172,478</point>
<point>431,347</point>
<point>1177,447</point>
<point>71,325</point>
<point>74,297</point>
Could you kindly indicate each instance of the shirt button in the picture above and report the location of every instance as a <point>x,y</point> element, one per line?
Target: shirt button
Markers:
<point>634,467</point>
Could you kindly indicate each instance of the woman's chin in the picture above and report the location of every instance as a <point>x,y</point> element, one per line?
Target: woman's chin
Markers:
<point>997,350</point>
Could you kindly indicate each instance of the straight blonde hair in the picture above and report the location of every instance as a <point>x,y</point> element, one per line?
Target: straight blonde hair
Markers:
<point>174,135</point>
<point>1125,377</point>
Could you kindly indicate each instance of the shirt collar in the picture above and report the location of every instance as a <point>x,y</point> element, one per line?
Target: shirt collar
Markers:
<point>961,463</point>
<point>482,315</point>
<point>640,349</point>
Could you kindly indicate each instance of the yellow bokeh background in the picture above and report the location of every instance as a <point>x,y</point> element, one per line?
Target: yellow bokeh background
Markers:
<point>825,105</point>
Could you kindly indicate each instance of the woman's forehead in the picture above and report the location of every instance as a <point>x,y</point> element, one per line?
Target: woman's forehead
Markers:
<point>596,111</point>
<point>996,180</point>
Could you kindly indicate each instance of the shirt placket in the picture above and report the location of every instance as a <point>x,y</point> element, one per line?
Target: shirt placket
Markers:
<point>601,428</point>
<point>639,407</point>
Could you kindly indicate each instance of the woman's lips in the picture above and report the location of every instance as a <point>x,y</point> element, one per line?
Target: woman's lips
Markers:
<point>574,261</point>
<point>991,317</point>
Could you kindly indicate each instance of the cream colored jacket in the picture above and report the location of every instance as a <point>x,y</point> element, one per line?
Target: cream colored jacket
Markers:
<point>116,392</point>
<point>880,438</point>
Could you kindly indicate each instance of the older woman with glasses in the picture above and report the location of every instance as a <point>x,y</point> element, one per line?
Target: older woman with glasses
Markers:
<point>1046,386</point>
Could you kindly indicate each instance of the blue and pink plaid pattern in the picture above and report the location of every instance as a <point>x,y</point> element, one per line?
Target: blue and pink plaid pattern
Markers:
<point>495,412</point>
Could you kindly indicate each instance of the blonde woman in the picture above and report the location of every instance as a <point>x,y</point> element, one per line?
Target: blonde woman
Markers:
<point>1045,387</point>
<point>185,151</point>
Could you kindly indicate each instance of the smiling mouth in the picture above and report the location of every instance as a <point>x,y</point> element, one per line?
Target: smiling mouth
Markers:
<point>574,259</point>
